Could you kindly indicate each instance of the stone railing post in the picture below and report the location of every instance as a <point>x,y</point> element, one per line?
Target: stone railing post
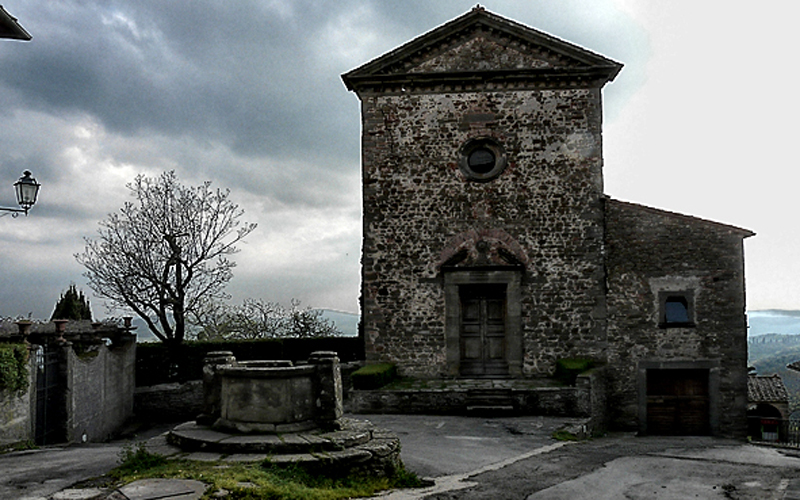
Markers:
<point>329,405</point>
<point>212,385</point>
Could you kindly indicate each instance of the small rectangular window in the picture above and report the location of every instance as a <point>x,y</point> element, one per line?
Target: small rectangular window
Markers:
<point>677,309</point>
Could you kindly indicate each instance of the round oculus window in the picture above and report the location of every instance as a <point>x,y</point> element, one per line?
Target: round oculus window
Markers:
<point>482,159</point>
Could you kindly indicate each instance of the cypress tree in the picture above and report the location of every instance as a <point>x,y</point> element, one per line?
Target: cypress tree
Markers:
<point>72,305</point>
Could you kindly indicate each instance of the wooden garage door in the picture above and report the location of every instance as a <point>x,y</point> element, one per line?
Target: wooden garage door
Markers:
<point>677,402</point>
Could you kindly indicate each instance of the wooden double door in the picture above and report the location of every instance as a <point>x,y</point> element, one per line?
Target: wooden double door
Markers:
<point>483,330</point>
<point>678,402</point>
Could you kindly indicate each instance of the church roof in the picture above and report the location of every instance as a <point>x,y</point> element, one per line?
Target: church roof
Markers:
<point>10,28</point>
<point>766,389</point>
<point>482,50</point>
<point>689,219</point>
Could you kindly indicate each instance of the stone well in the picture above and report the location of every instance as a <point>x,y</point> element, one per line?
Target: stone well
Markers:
<point>289,413</point>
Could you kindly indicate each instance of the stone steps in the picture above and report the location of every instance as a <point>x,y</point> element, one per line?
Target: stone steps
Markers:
<point>356,444</point>
<point>490,402</point>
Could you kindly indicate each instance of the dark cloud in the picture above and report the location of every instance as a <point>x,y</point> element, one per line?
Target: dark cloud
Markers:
<point>247,94</point>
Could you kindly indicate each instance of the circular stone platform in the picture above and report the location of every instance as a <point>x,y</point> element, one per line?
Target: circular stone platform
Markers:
<point>358,444</point>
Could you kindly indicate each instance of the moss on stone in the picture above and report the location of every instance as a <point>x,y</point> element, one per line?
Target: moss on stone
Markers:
<point>567,370</point>
<point>373,376</point>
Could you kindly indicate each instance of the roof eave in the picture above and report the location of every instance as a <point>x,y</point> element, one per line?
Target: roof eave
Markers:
<point>742,232</point>
<point>10,28</point>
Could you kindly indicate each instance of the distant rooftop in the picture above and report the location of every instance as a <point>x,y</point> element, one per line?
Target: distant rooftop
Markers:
<point>766,389</point>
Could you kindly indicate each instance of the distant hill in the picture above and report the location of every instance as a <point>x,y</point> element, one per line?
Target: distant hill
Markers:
<point>346,322</point>
<point>767,321</point>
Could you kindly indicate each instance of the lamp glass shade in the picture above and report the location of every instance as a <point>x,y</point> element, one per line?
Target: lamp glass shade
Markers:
<point>27,189</point>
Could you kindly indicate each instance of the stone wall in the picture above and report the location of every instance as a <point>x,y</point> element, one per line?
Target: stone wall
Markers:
<point>544,209</point>
<point>100,387</point>
<point>548,401</point>
<point>173,402</point>
<point>17,415</point>
<point>651,252</point>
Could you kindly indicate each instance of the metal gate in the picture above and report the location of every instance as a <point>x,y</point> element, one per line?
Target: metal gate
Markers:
<point>49,397</point>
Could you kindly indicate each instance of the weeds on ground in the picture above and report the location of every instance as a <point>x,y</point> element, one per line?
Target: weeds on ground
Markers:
<point>19,446</point>
<point>135,458</point>
<point>564,435</point>
<point>256,481</point>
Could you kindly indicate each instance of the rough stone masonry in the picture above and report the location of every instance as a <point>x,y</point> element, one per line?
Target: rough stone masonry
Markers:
<point>491,251</point>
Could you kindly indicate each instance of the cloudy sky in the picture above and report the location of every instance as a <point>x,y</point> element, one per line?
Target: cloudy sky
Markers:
<point>247,94</point>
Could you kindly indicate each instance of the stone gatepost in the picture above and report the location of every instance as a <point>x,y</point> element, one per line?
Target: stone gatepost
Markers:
<point>212,385</point>
<point>329,406</point>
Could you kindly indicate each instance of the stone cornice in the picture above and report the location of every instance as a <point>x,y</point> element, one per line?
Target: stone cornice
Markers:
<point>497,80</point>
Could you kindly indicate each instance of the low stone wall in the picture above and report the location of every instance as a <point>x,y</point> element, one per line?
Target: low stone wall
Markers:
<point>549,401</point>
<point>169,402</point>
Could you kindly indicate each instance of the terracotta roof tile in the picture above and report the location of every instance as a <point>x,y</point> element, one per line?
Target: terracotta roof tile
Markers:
<point>766,388</point>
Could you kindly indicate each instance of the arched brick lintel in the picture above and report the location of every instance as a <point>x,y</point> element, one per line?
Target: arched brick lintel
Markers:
<point>482,247</point>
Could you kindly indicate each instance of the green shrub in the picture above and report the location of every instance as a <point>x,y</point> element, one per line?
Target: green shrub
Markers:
<point>138,459</point>
<point>373,376</point>
<point>567,370</point>
<point>14,367</point>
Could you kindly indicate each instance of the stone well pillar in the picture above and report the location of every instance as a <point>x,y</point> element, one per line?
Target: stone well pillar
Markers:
<point>329,406</point>
<point>212,385</point>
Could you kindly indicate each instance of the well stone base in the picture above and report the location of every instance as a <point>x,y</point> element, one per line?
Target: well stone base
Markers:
<point>357,445</point>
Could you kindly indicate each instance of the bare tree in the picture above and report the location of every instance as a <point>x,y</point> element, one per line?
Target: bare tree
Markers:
<point>166,252</point>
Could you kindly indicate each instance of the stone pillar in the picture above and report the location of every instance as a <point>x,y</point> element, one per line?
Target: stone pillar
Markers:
<point>212,385</point>
<point>329,406</point>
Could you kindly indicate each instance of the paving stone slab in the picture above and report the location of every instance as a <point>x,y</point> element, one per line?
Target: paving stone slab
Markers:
<point>201,434</point>
<point>80,494</point>
<point>246,457</point>
<point>381,447</point>
<point>348,438</point>
<point>204,456</point>
<point>315,440</point>
<point>298,458</point>
<point>157,489</point>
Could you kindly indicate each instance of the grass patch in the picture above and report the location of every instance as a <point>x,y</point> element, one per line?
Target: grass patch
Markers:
<point>563,435</point>
<point>255,481</point>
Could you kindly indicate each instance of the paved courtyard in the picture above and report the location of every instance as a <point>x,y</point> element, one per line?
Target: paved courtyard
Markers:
<point>474,458</point>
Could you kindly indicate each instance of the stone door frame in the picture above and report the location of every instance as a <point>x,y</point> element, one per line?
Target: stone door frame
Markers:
<point>512,279</point>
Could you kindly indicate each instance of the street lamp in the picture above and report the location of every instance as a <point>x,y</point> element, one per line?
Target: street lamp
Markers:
<point>26,189</point>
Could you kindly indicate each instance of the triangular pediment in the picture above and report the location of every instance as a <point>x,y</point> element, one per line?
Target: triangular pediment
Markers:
<point>481,47</point>
<point>484,51</point>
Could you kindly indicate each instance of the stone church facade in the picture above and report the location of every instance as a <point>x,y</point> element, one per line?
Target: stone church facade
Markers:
<point>491,251</point>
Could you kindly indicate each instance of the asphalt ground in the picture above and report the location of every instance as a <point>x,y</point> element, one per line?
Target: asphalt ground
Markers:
<point>494,458</point>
